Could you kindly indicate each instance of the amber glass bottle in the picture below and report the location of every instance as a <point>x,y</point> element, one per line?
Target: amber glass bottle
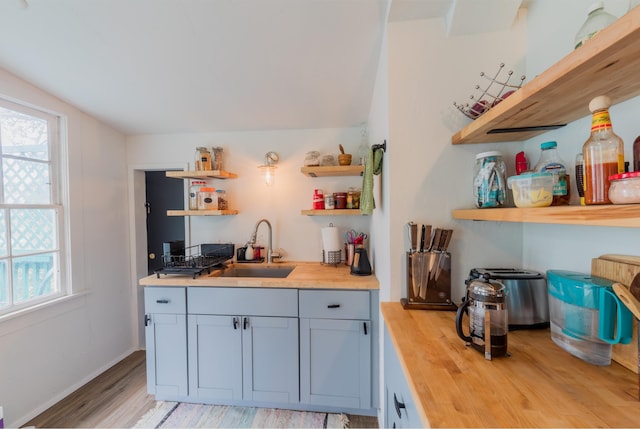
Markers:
<point>603,153</point>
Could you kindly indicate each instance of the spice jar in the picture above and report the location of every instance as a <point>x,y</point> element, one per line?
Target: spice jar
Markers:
<point>222,199</point>
<point>340,199</point>
<point>207,199</point>
<point>489,183</point>
<point>193,193</point>
<point>203,159</point>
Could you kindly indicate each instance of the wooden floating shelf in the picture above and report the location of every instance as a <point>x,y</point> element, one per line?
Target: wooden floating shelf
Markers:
<point>607,64</point>
<point>333,212</point>
<point>201,212</point>
<point>333,170</point>
<point>627,215</point>
<point>211,174</point>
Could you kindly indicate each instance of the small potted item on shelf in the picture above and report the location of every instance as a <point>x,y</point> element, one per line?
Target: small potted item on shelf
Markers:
<point>344,158</point>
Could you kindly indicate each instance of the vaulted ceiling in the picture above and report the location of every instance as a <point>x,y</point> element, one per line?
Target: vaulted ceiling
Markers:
<point>167,66</point>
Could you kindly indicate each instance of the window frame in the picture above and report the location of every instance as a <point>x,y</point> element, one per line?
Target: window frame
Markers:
<point>58,175</point>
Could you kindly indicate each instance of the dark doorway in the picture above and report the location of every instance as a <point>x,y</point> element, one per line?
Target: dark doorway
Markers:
<point>162,194</point>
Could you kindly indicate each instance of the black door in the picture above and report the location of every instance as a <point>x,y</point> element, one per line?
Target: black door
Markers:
<point>162,194</point>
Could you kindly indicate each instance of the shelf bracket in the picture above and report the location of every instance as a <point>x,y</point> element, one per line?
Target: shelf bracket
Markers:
<point>525,129</point>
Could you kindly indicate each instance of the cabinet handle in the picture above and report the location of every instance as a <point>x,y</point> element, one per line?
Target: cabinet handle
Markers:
<point>245,323</point>
<point>333,306</point>
<point>364,324</point>
<point>162,301</point>
<point>398,405</point>
<point>147,320</point>
<point>235,323</point>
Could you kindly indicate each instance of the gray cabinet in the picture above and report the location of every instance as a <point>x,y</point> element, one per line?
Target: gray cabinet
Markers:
<point>336,348</point>
<point>166,342</point>
<point>243,345</point>
<point>399,408</point>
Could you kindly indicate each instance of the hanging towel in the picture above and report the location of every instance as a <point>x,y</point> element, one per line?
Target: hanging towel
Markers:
<point>372,165</point>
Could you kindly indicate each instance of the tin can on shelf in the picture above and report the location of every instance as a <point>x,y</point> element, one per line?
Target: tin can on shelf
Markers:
<point>340,199</point>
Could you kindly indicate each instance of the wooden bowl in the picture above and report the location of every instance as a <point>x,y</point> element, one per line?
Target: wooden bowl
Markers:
<point>344,159</point>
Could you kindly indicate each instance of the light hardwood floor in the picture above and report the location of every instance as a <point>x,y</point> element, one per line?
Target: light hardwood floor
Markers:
<point>118,398</point>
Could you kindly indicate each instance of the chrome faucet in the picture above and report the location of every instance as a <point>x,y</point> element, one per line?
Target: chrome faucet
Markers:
<point>270,253</point>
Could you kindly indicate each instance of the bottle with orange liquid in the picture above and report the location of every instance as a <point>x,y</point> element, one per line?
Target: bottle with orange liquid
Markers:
<point>603,153</point>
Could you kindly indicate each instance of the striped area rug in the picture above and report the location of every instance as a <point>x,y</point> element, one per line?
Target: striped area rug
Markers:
<point>182,415</point>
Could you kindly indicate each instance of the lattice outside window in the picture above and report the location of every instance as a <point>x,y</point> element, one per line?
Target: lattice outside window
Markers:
<point>30,207</point>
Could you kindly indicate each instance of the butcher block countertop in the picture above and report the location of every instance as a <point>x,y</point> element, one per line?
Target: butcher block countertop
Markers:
<point>539,385</point>
<point>305,275</point>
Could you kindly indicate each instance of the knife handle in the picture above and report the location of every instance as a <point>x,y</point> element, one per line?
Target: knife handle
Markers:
<point>422,236</point>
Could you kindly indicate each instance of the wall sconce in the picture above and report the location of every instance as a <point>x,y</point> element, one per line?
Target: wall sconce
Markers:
<point>268,169</point>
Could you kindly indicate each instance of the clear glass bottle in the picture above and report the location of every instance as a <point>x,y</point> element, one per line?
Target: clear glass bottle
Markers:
<point>603,153</point>
<point>193,193</point>
<point>363,148</point>
<point>597,19</point>
<point>489,183</point>
<point>550,162</point>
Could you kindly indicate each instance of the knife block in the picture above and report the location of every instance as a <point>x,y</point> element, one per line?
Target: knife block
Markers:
<point>428,281</point>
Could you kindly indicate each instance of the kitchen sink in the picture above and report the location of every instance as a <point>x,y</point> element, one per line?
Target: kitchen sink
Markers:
<point>278,272</point>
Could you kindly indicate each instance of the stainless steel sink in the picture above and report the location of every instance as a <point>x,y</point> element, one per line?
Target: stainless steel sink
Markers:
<point>278,272</point>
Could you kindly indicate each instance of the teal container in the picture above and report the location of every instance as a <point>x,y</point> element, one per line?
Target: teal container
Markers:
<point>586,315</point>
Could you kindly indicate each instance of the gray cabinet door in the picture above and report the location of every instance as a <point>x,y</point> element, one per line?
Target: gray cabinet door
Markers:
<point>400,410</point>
<point>335,362</point>
<point>270,359</point>
<point>242,358</point>
<point>166,341</point>
<point>215,364</point>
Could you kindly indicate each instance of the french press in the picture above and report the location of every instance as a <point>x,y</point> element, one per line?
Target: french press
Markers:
<point>485,304</point>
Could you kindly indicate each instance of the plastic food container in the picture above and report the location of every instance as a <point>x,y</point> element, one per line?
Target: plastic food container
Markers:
<point>532,189</point>
<point>625,188</point>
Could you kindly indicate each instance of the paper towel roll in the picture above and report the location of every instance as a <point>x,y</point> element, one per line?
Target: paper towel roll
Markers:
<point>330,239</point>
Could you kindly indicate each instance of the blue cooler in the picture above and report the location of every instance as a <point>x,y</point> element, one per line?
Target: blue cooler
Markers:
<point>586,315</point>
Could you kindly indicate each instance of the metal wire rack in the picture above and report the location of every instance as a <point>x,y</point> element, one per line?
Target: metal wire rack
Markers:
<point>495,92</point>
<point>196,259</point>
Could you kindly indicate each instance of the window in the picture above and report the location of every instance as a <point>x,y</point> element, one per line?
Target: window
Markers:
<point>30,208</point>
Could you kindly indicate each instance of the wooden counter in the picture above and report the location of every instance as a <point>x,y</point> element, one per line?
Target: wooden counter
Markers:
<point>305,275</point>
<point>539,385</point>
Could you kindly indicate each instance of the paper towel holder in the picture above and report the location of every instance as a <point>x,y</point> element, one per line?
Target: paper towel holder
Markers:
<point>331,257</point>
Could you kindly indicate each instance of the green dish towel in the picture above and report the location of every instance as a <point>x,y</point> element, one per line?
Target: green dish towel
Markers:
<point>372,165</point>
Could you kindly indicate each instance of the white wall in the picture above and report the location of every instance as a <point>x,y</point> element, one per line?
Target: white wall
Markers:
<point>298,236</point>
<point>558,246</point>
<point>48,353</point>
<point>429,177</point>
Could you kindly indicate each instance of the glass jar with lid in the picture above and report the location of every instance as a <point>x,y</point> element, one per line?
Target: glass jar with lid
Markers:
<point>207,199</point>
<point>489,183</point>
<point>217,159</point>
<point>203,159</point>
<point>194,189</point>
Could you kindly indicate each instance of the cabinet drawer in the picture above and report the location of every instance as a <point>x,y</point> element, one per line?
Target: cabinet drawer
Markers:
<point>243,301</point>
<point>334,304</point>
<point>167,300</point>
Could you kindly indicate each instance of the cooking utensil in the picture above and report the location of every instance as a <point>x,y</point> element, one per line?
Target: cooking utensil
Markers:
<point>413,237</point>
<point>423,233</point>
<point>627,298</point>
<point>631,298</point>
<point>341,149</point>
